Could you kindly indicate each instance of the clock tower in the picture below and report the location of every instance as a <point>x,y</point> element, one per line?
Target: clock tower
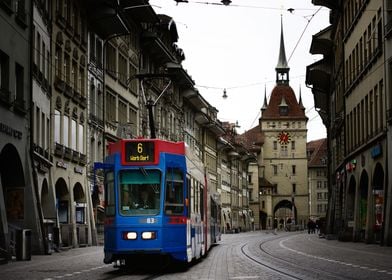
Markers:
<point>284,163</point>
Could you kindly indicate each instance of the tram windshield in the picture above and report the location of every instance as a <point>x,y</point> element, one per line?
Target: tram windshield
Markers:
<point>139,192</point>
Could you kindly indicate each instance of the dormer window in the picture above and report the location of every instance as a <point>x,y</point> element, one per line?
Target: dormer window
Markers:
<point>283,108</point>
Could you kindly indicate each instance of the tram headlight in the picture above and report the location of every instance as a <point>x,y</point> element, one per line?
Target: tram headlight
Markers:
<point>129,235</point>
<point>147,235</point>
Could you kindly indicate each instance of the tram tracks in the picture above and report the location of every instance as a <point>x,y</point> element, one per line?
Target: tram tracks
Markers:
<point>285,267</point>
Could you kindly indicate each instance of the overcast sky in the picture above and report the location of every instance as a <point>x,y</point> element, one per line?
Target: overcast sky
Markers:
<point>236,47</point>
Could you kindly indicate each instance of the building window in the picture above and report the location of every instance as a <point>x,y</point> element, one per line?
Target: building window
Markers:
<point>133,120</point>
<point>134,82</point>
<point>283,150</point>
<point>43,130</point>
<point>111,60</point>
<point>73,135</point>
<point>275,145</point>
<point>82,81</point>
<point>75,76</point>
<point>37,125</point>
<point>122,70</point>
<point>275,168</point>
<point>99,102</point>
<point>80,138</point>
<point>294,188</point>
<point>65,130</point>
<point>293,145</point>
<point>122,112</point>
<point>92,98</point>
<point>4,71</point>
<point>92,47</point>
<point>110,107</point>
<point>57,62</point>
<point>263,204</point>
<point>99,53</point>
<point>19,82</point>
<point>319,184</point>
<point>57,126</point>
<point>293,169</point>
<point>67,63</point>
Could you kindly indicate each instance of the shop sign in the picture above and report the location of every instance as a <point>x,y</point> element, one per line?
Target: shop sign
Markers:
<point>42,168</point>
<point>350,166</point>
<point>78,169</point>
<point>10,131</point>
<point>62,164</point>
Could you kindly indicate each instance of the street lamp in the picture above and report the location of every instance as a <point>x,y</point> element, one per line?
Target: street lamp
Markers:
<point>224,96</point>
<point>106,40</point>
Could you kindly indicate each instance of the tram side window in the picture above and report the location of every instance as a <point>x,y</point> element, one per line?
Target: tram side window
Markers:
<point>174,196</point>
<point>189,194</point>
<point>110,209</point>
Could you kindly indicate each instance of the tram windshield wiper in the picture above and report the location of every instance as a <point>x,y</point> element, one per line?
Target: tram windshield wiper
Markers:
<point>144,172</point>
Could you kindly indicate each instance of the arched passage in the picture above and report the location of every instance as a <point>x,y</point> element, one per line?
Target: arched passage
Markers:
<point>80,214</point>
<point>363,200</point>
<point>12,192</point>
<point>45,199</point>
<point>351,199</point>
<point>13,183</point>
<point>283,213</point>
<point>378,200</point>
<point>80,203</point>
<point>62,200</point>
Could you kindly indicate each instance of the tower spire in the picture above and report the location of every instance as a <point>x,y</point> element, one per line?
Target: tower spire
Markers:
<point>282,69</point>
<point>265,99</point>
<point>300,100</point>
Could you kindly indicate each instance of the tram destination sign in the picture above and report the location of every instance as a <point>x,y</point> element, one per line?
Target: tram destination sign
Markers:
<point>139,152</point>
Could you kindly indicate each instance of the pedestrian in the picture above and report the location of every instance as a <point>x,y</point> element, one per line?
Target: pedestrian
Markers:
<point>318,226</point>
<point>309,226</point>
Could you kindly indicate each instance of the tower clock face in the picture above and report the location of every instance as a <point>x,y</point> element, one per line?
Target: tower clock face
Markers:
<point>284,137</point>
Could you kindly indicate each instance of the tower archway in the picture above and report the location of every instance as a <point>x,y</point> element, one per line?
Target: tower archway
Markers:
<point>284,214</point>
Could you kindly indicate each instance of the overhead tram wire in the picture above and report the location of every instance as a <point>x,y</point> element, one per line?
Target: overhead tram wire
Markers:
<point>238,5</point>
<point>303,32</point>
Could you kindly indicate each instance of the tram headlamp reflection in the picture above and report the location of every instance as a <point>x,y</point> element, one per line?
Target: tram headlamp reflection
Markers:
<point>129,235</point>
<point>148,235</point>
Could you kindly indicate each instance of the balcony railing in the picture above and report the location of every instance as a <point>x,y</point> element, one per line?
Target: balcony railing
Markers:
<point>75,156</point>
<point>67,153</point>
<point>59,84</point>
<point>83,159</point>
<point>59,150</point>
<point>5,96</point>
<point>20,106</point>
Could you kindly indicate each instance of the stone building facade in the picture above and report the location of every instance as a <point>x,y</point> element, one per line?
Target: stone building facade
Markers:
<point>351,87</point>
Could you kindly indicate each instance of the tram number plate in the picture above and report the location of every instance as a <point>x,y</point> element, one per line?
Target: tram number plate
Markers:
<point>148,221</point>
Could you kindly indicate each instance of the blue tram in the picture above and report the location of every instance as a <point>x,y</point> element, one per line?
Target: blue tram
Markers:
<point>157,203</point>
